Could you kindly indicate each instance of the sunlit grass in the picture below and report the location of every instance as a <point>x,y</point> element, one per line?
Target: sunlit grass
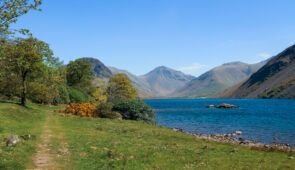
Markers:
<point>107,144</point>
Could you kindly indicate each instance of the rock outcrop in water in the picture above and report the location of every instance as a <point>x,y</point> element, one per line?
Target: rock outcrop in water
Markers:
<point>223,106</point>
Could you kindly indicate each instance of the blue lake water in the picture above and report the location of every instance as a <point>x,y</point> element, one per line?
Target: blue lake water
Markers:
<point>260,120</point>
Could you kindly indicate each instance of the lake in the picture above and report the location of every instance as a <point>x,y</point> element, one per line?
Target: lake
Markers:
<point>263,120</point>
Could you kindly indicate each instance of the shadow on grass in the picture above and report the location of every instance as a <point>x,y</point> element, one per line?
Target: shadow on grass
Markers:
<point>9,101</point>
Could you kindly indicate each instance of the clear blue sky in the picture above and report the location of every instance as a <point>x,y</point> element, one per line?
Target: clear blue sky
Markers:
<point>188,35</point>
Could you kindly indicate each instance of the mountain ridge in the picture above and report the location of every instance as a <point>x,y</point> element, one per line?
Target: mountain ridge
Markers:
<point>276,79</point>
<point>218,79</point>
<point>158,82</point>
<point>99,69</point>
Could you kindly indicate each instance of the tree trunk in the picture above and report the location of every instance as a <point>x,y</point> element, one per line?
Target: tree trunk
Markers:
<point>24,89</point>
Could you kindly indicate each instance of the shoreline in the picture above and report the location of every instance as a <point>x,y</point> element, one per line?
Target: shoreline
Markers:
<point>233,139</point>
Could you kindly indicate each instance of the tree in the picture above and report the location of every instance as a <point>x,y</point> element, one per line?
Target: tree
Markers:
<point>98,97</point>
<point>80,75</point>
<point>45,86</point>
<point>21,59</point>
<point>120,88</point>
<point>10,10</point>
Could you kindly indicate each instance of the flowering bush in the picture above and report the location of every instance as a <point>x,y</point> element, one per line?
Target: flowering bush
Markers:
<point>81,109</point>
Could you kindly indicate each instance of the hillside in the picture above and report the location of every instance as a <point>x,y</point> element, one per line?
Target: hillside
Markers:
<point>141,85</point>
<point>218,79</point>
<point>88,143</point>
<point>163,81</point>
<point>99,69</point>
<point>276,79</point>
<point>159,82</point>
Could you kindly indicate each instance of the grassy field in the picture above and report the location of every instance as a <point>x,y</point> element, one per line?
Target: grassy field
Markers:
<point>118,144</point>
<point>15,120</point>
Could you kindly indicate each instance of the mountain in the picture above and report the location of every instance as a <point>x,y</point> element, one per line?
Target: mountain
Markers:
<point>99,69</point>
<point>163,81</point>
<point>140,84</point>
<point>217,80</point>
<point>276,79</point>
<point>160,82</point>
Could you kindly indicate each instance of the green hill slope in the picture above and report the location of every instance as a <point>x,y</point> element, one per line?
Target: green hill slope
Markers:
<point>217,80</point>
<point>274,80</point>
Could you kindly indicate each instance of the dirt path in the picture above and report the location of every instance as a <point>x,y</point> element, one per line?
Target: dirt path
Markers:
<point>52,151</point>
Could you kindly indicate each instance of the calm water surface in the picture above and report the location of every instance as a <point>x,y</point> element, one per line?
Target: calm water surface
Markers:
<point>258,119</point>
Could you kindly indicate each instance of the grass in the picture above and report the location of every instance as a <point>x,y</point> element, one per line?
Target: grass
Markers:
<point>119,144</point>
<point>15,120</point>
<point>108,144</point>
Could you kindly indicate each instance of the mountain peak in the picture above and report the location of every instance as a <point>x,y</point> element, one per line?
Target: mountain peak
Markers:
<point>99,69</point>
<point>164,81</point>
<point>234,63</point>
<point>162,68</point>
<point>274,80</point>
<point>218,79</point>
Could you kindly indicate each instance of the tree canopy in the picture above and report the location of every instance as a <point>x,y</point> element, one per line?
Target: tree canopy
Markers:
<point>10,10</point>
<point>80,75</point>
<point>21,59</point>
<point>120,88</point>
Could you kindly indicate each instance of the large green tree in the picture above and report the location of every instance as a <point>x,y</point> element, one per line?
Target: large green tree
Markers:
<point>21,59</point>
<point>47,85</point>
<point>80,75</point>
<point>10,10</point>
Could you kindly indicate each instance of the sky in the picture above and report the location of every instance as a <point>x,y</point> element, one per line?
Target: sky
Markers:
<point>192,36</point>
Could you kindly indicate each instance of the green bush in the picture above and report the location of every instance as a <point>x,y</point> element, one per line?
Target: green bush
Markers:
<point>77,96</point>
<point>135,110</point>
<point>104,110</point>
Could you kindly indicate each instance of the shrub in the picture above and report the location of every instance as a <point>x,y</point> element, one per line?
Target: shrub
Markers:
<point>77,96</point>
<point>104,110</point>
<point>135,110</point>
<point>81,109</point>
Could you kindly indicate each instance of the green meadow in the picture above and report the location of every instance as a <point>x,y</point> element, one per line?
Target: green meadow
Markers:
<point>93,143</point>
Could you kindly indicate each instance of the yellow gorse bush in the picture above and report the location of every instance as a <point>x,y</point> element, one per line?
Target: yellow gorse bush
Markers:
<point>81,109</point>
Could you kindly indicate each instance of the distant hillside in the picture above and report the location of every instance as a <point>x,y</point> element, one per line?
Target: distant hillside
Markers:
<point>217,80</point>
<point>100,70</point>
<point>160,82</point>
<point>140,84</point>
<point>274,80</point>
<point>163,81</point>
